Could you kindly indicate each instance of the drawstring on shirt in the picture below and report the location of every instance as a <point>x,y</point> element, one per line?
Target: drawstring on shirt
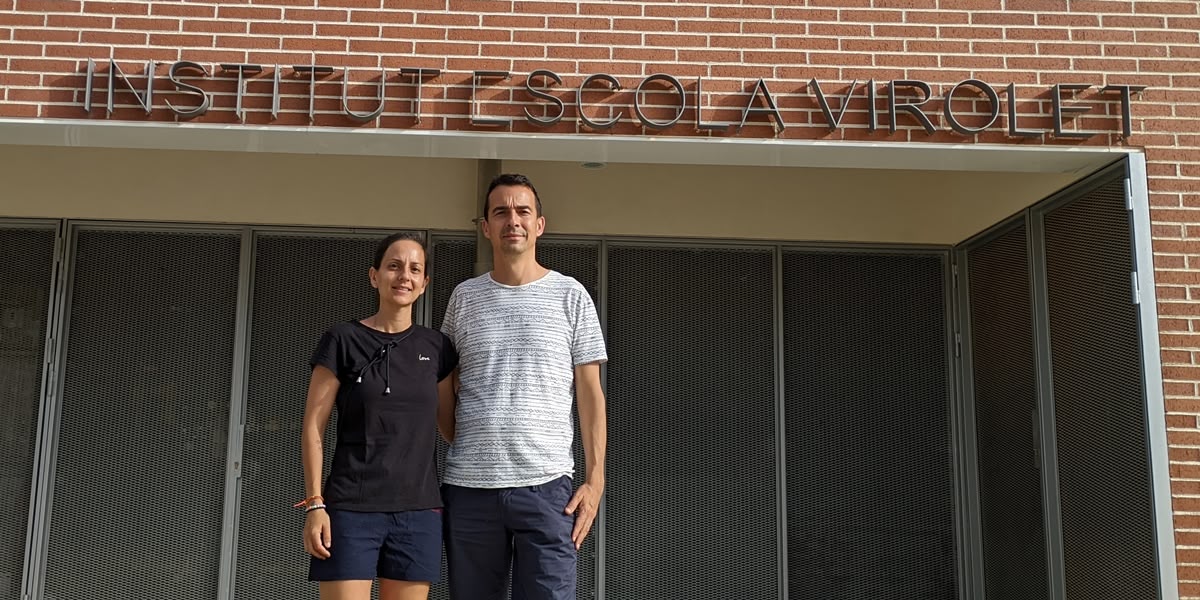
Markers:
<point>381,355</point>
<point>387,371</point>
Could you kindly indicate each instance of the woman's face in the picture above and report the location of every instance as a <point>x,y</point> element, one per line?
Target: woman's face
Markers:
<point>401,277</point>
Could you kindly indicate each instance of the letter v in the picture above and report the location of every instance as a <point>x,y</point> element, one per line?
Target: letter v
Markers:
<point>834,123</point>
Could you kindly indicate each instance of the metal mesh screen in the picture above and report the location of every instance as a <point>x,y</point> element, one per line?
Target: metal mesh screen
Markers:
<point>581,261</point>
<point>869,474</point>
<point>25,284</point>
<point>1006,418</point>
<point>140,472</point>
<point>1100,415</point>
<point>453,262</point>
<point>691,495</point>
<point>302,286</point>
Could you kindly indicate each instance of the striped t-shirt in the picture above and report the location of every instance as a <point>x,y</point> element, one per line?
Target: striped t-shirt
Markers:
<point>518,347</point>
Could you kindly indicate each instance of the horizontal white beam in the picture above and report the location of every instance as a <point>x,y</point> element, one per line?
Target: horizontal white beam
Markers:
<point>558,147</point>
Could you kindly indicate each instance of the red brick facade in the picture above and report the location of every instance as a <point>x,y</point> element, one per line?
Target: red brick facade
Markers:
<point>726,47</point>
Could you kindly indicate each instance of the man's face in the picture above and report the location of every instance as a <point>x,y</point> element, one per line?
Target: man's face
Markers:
<point>512,223</point>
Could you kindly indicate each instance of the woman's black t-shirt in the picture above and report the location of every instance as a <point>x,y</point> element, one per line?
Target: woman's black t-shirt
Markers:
<point>384,459</point>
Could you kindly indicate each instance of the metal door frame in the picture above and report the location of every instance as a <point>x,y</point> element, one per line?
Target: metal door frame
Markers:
<point>239,395</point>
<point>1132,167</point>
<point>50,409</point>
<point>1138,193</point>
<point>30,556</point>
<point>962,509</point>
<point>973,566</point>
<point>774,251</point>
<point>966,500</point>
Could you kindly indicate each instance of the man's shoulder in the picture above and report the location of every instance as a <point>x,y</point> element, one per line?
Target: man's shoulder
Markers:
<point>563,283</point>
<point>470,288</point>
<point>475,283</point>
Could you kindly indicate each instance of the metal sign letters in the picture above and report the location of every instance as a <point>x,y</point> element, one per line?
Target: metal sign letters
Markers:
<point>907,98</point>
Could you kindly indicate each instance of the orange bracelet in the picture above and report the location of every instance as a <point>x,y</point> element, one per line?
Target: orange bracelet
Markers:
<point>319,498</point>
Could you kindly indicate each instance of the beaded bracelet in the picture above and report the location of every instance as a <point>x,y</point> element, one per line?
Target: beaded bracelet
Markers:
<point>313,507</point>
<point>317,498</point>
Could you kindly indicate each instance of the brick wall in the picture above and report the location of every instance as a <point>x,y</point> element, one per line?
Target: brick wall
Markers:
<point>45,44</point>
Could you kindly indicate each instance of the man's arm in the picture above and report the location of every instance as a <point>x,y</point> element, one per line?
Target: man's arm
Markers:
<point>593,425</point>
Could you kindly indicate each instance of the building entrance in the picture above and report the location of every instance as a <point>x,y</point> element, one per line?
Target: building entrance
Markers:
<point>805,421</point>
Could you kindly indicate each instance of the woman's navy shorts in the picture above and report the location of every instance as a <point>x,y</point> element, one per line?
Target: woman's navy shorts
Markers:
<point>405,546</point>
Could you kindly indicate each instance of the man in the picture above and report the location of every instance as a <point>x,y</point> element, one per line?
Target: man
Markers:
<point>526,337</point>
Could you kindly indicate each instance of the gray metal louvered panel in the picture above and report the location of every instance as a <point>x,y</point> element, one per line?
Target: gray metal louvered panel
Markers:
<point>580,260</point>
<point>1005,391</point>
<point>1099,403</point>
<point>138,488</point>
<point>870,504</point>
<point>691,495</point>
<point>452,261</point>
<point>25,286</point>
<point>303,284</point>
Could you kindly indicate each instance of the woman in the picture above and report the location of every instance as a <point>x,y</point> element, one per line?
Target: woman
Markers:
<point>380,514</point>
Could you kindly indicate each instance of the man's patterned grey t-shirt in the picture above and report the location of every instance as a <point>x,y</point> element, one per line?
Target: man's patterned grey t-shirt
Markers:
<point>518,347</point>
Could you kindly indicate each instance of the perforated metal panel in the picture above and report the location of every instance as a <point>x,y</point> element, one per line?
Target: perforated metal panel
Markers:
<point>452,262</point>
<point>581,261</point>
<point>25,285</point>
<point>1099,403</point>
<point>691,492</point>
<point>1006,418</point>
<point>869,474</point>
<point>302,286</point>
<point>140,473</point>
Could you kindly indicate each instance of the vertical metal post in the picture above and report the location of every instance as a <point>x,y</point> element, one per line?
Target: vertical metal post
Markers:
<point>1156,434</point>
<point>1051,509</point>
<point>237,421</point>
<point>602,314</point>
<point>34,539</point>
<point>425,316</point>
<point>48,421</point>
<point>780,424</point>
<point>966,459</point>
<point>486,170</point>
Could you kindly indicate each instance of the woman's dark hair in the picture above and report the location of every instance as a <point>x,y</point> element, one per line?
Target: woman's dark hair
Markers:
<point>511,179</point>
<point>385,243</point>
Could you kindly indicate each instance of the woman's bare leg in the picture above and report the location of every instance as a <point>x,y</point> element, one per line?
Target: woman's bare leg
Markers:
<point>354,589</point>
<point>391,589</point>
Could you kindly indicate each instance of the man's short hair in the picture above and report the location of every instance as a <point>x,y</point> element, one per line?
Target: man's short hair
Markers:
<point>511,179</point>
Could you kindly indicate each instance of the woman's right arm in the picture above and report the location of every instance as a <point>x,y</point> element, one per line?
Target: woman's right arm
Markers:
<point>322,391</point>
<point>447,402</point>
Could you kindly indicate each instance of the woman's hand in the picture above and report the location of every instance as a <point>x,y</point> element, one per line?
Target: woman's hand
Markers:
<point>316,533</point>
